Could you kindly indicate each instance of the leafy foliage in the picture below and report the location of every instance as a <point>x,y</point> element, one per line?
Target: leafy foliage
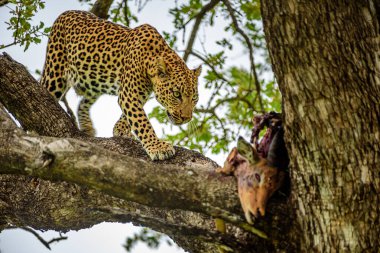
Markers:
<point>151,238</point>
<point>24,33</point>
<point>122,14</point>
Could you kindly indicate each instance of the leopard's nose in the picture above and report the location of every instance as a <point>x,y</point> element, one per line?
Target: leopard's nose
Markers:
<point>186,119</point>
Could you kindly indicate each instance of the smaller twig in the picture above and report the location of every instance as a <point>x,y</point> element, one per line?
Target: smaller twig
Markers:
<point>118,10</point>
<point>141,6</point>
<point>225,132</point>
<point>247,40</point>
<point>214,94</point>
<point>60,238</point>
<point>17,24</point>
<point>222,101</point>
<point>10,44</point>
<point>125,12</point>
<point>42,240</point>
<point>199,16</point>
<point>212,67</point>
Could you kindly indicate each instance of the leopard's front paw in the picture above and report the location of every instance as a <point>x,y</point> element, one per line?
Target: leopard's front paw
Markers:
<point>160,150</point>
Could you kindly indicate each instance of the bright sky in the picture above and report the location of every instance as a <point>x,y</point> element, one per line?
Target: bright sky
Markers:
<point>106,237</point>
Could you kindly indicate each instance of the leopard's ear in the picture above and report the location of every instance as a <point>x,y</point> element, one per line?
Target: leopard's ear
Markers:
<point>161,65</point>
<point>198,71</point>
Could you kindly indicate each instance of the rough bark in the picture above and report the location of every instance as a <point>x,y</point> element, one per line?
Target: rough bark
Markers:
<point>74,181</point>
<point>325,56</point>
<point>53,121</point>
<point>101,8</point>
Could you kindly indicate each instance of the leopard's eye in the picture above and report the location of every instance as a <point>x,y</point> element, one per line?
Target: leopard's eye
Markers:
<point>257,176</point>
<point>195,97</point>
<point>176,94</point>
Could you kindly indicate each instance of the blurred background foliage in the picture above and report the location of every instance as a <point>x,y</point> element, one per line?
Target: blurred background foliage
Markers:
<point>230,94</point>
<point>151,238</point>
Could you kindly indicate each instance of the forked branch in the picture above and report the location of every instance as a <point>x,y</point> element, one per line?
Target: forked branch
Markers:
<point>198,19</point>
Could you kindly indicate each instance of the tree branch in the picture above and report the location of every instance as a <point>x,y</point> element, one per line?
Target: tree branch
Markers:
<point>42,240</point>
<point>101,8</point>
<point>212,67</point>
<point>3,2</point>
<point>250,48</point>
<point>22,89</point>
<point>111,179</point>
<point>9,45</point>
<point>197,23</point>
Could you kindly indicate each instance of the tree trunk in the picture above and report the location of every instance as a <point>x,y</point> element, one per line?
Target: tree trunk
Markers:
<point>325,56</point>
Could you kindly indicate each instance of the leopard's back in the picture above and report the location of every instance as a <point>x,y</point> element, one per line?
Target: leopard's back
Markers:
<point>86,53</point>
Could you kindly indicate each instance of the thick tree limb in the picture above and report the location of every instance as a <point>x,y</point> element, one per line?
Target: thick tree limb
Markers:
<point>122,176</point>
<point>179,197</point>
<point>16,90</point>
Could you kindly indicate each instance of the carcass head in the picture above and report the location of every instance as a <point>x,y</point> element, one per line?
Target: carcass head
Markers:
<point>258,178</point>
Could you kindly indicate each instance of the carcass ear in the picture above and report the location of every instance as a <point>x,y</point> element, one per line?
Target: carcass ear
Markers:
<point>277,154</point>
<point>230,163</point>
<point>232,156</point>
<point>246,150</point>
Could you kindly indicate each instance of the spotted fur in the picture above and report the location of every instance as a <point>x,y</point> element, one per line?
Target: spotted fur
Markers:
<point>99,57</point>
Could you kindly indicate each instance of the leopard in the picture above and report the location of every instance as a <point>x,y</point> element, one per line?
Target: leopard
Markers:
<point>95,56</point>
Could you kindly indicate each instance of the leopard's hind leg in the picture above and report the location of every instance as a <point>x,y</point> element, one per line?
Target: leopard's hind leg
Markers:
<point>55,68</point>
<point>85,123</point>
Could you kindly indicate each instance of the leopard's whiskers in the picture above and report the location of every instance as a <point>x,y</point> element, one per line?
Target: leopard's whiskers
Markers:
<point>193,128</point>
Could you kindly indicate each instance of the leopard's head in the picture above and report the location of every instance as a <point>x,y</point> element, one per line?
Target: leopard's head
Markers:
<point>176,88</point>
